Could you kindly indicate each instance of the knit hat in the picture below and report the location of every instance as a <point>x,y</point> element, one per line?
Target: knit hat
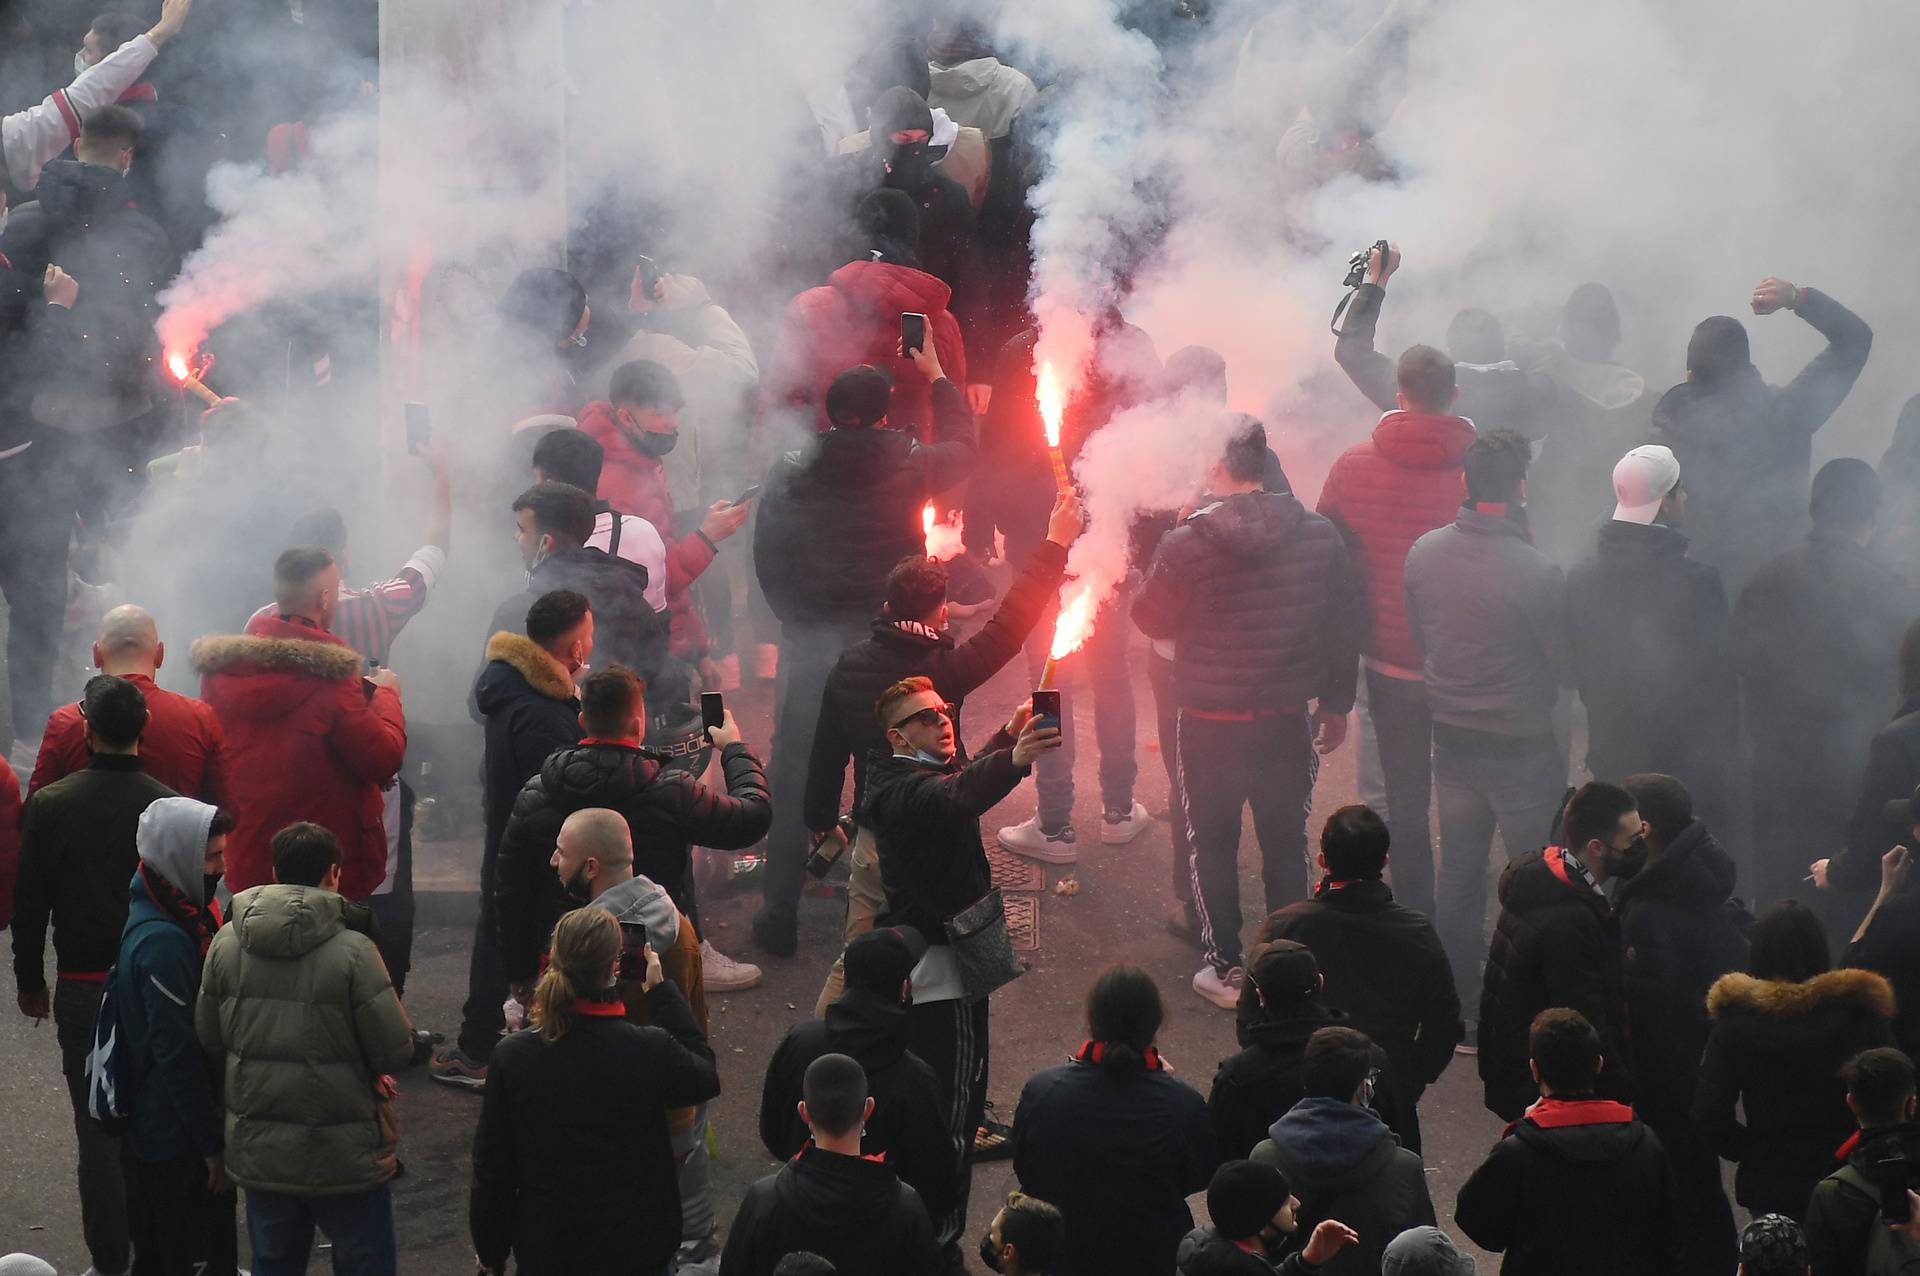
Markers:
<point>1846,493</point>
<point>547,301</point>
<point>1717,348</point>
<point>1285,971</point>
<point>1641,481</point>
<point>859,396</point>
<point>1773,1245</point>
<point>1244,1196</point>
<point>882,959</point>
<point>1424,1251</point>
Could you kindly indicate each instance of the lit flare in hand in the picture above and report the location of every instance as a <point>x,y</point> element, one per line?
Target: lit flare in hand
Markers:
<point>1053,407</point>
<point>1071,630</point>
<point>189,377</point>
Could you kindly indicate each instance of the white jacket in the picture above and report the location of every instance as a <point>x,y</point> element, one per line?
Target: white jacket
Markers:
<point>717,375</point>
<point>983,93</point>
<point>32,137</point>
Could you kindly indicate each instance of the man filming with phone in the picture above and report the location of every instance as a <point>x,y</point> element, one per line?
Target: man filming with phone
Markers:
<point>910,637</point>
<point>1844,1228</point>
<point>924,805</point>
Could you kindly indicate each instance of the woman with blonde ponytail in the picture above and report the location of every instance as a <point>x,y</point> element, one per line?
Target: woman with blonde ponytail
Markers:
<point>573,1168</point>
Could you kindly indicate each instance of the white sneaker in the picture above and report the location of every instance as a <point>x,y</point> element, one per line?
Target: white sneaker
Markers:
<point>729,671</point>
<point>722,973</point>
<point>1120,827</point>
<point>766,661</point>
<point>1030,840</point>
<point>1222,988</point>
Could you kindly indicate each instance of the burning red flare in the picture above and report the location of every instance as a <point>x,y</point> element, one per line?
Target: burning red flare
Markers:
<point>1075,625</point>
<point>926,527</point>
<point>178,365</point>
<point>1053,402</point>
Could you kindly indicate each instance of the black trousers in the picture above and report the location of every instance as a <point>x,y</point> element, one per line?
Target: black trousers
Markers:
<point>951,1036</point>
<point>1708,1242</point>
<point>1166,713</point>
<point>1403,729</point>
<point>394,910</point>
<point>179,1228</point>
<point>1225,766</point>
<point>482,1018</point>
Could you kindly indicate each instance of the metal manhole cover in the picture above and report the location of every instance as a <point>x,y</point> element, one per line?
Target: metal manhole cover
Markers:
<point>1015,872</point>
<point>1023,922</point>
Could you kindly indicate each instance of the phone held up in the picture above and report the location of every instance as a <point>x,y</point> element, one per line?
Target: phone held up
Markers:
<point>913,332</point>
<point>1046,707</point>
<point>713,709</point>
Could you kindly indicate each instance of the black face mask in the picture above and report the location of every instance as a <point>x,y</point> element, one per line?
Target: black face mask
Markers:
<point>1627,861</point>
<point>1273,1242</point>
<point>989,1253</point>
<point>654,443</point>
<point>910,166</point>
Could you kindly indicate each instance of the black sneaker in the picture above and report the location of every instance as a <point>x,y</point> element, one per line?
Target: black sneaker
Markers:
<point>776,934</point>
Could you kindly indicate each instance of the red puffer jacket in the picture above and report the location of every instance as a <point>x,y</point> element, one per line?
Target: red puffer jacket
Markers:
<point>855,318</point>
<point>1385,494</point>
<point>635,483</point>
<point>305,741</point>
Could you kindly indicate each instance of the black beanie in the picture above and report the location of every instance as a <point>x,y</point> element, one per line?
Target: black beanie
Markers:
<point>1846,493</point>
<point>1718,348</point>
<point>898,110</point>
<point>546,301</point>
<point>1244,1196</point>
<point>859,396</point>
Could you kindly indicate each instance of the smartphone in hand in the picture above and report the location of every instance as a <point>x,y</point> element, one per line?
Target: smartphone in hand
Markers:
<point>713,709</point>
<point>1046,707</point>
<point>913,332</point>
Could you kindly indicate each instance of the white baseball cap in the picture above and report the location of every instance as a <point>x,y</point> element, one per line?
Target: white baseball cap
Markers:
<point>1642,480</point>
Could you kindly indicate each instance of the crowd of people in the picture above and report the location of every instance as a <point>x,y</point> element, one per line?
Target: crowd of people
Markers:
<point>1604,689</point>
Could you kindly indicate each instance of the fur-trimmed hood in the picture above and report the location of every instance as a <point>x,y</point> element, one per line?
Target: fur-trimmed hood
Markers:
<point>1850,989</point>
<point>322,657</point>
<point>532,662</point>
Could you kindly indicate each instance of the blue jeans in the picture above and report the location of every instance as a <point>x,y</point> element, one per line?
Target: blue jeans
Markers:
<point>1520,794</point>
<point>360,1225</point>
<point>1103,664</point>
<point>807,656</point>
<point>1403,732</point>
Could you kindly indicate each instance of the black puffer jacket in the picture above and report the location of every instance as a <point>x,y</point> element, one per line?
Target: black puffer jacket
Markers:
<point>1384,967</point>
<point>1205,1252</point>
<point>903,649</point>
<point>1745,447</point>
<point>1657,675</point>
<point>926,830</point>
<point>1891,947</point>
<point>626,629</point>
<point>1555,945</point>
<point>1679,932</point>
<point>907,1122</point>
<point>1259,1085</point>
<point>96,364</point>
<point>1776,1049</point>
<point>839,514</point>
<point>1577,1186</point>
<point>1264,609</point>
<point>667,811</point>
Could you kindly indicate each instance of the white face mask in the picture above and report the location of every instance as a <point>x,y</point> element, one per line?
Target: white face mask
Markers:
<point>80,63</point>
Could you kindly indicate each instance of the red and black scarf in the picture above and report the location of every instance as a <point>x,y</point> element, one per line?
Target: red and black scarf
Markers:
<point>1096,1052</point>
<point>198,921</point>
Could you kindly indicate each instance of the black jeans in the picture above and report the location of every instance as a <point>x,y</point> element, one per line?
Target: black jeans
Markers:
<point>951,1037</point>
<point>393,911</point>
<point>807,655</point>
<point>1268,763</point>
<point>1404,731</point>
<point>103,1184</point>
<point>482,1019</point>
<point>179,1228</point>
<point>1166,712</point>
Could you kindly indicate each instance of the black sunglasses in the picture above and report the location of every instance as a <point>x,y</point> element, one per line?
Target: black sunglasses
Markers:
<point>928,717</point>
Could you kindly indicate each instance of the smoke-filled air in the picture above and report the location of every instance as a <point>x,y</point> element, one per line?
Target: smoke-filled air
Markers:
<point>827,483</point>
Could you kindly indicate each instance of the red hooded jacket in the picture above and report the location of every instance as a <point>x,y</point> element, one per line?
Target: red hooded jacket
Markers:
<point>635,483</point>
<point>305,741</point>
<point>853,319</point>
<point>1385,494</point>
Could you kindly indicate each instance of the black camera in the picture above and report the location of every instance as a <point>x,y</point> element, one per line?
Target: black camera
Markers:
<point>1357,264</point>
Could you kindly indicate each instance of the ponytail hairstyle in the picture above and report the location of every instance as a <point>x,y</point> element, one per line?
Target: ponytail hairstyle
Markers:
<point>586,943</point>
<point>1123,1014</point>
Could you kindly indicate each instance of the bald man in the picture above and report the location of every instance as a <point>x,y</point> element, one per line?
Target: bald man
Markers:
<point>182,746</point>
<point>593,859</point>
